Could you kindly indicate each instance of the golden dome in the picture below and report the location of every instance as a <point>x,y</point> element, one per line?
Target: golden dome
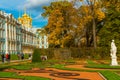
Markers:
<point>26,20</point>
<point>25,15</point>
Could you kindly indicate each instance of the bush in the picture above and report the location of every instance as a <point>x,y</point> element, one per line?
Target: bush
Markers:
<point>36,56</point>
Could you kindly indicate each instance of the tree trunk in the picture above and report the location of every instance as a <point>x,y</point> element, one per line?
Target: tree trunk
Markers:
<point>94,34</point>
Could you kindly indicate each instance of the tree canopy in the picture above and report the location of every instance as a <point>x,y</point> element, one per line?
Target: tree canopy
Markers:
<point>111,28</point>
<point>93,21</point>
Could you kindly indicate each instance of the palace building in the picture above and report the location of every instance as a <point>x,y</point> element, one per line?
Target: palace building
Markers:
<point>18,36</point>
<point>43,38</point>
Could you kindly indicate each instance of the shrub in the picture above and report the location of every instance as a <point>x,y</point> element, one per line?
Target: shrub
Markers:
<point>36,56</point>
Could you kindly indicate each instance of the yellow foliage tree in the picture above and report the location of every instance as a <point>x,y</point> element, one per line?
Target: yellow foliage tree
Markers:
<point>60,21</point>
<point>91,13</point>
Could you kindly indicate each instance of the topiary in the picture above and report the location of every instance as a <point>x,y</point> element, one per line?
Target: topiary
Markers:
<point>36,56</point>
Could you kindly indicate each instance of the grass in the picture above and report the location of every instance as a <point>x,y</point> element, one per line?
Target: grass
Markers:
<point>21,67</point>
<point>28,66</point>
<point>91,64</point>
<point>110,75</point>
<point>14,65</point>
<point>15,56</point>
<point>62,67</point>
<point>14,75</point>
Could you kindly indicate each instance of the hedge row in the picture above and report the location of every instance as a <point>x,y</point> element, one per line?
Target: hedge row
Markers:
<point>99,53</point>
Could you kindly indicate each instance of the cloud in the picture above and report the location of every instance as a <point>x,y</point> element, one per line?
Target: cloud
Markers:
<point>38,17</point>
<point>34,4</point>
<point>10,4</point>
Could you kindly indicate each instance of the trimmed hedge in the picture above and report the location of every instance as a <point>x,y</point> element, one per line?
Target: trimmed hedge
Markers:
<point>36,55</point>
<point>81,53</point>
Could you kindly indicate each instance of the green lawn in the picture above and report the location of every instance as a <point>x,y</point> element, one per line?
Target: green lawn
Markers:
<point>25,65</point>
<point>109,75</point>
<point>13,64</point>
<point>92,64</point>
<point>15,57</point>
<point>29,66</point>
<point>14,75</point>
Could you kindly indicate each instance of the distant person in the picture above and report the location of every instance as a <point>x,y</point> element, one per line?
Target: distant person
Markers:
<point>8,57</point>
<point>2,56</point>
<point>22,56</point>
<point>18,55</point>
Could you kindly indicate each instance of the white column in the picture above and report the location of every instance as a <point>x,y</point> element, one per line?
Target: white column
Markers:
<point>15,46</point>
<point>6,40</point>
<point>9,33</point>
<point>40,41</point>
<point>10,46</point>
<point>14,33</point>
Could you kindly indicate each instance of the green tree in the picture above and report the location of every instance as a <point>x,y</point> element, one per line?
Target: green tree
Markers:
<point>111,28</point>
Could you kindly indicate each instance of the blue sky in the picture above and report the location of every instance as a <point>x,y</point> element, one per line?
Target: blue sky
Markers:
<point>34,7</point>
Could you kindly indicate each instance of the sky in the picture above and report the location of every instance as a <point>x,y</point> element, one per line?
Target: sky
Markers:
<point>33,7</point>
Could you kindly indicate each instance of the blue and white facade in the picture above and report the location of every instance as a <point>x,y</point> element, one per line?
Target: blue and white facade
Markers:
<point>43,41</point>
<point>16,37</point>
<point>10,37</point>
<point>2,32</point>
